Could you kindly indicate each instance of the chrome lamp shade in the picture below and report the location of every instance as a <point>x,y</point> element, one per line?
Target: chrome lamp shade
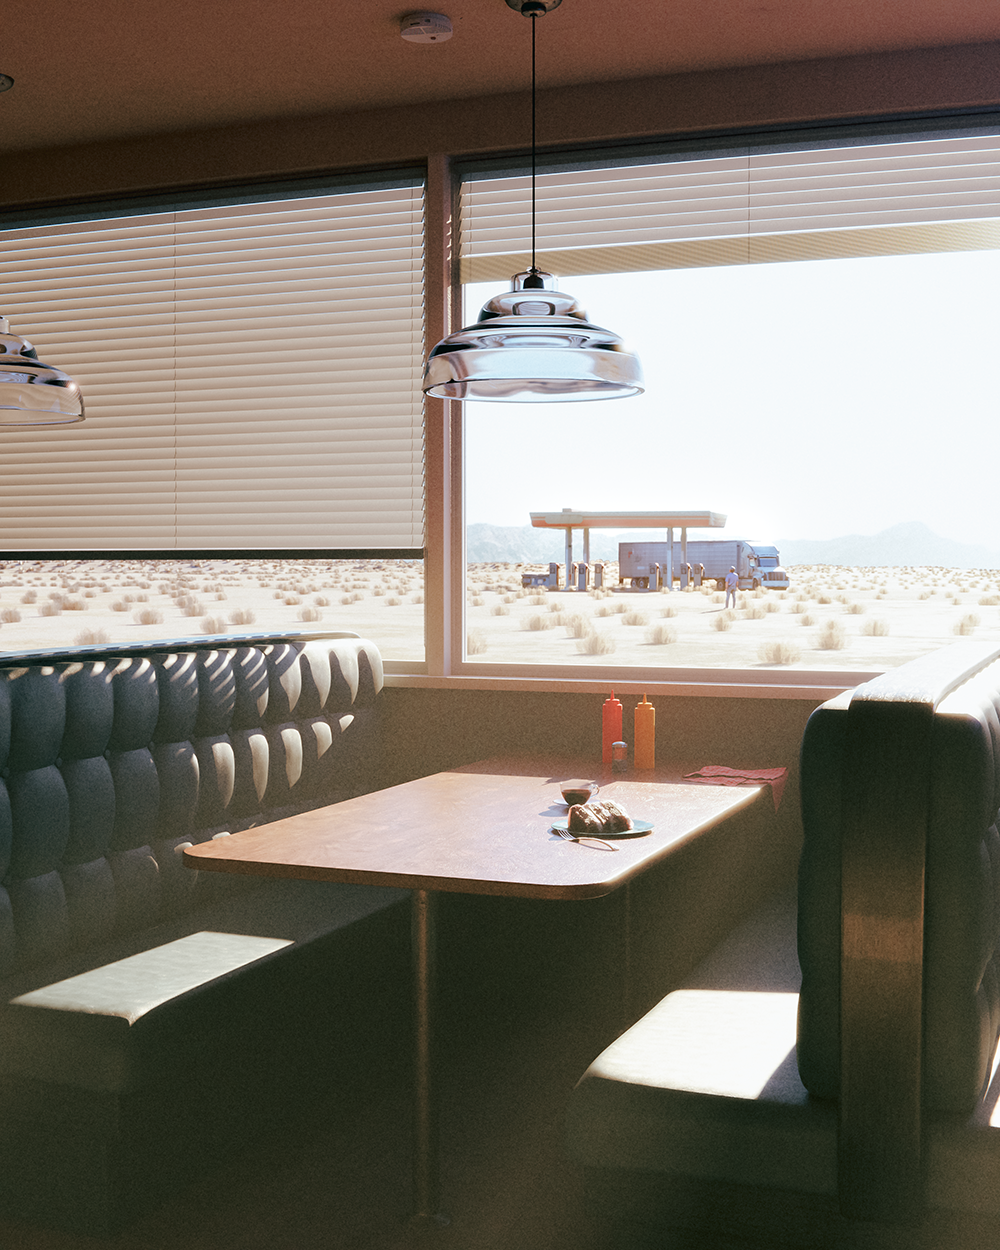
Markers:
<point>532,344</point>
<point>33,393</point>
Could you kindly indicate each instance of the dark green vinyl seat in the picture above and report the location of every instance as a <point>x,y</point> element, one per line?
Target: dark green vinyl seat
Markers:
<point>151,1015</point>
<point>854,1102</point>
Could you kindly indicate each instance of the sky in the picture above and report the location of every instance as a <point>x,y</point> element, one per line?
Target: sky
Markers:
<point>807,399</point>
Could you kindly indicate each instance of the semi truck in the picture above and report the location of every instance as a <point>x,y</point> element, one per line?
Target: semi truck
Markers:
<point>757,564</point>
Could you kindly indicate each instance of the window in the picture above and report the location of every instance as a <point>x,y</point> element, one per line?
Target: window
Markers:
<point>250,371</point>
<point>815,327</point>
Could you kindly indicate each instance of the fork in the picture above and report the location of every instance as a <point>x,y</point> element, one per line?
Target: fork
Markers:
<point>598,844</point>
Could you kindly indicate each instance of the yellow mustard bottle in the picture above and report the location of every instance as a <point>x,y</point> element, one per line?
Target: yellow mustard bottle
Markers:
<point>644,748</point>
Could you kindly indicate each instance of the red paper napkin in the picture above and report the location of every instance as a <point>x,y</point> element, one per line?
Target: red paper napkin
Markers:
<point>720,775</point>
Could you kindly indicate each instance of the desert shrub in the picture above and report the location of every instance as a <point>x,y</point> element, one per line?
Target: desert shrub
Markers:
<point>967,624</point>
<point>393,601</point>
<point>75,603</point>
<point>345,599</point>
<point>798,607</point>
<point>321,601</point>
<point>755,612</point>
<point>476,642</point>
<point>832,637</point>
<point>91,637</point>
<point>670,610</point>
<point>52,608</point>
<point>30,596</point>
<point>596,644</point>
<point>807,619</point>
<point>191,608</point>
<point>419,598</point>
<point>292,601</point>
<point>500,609</point>
<point>538,621</point>
<point>634,617</point>
<point>510,598</point>
<point>772,606</point>
<point>989,601</point>
<point>661,634</point>
<point>875,627</point>
<point>855,608</point>
<point>538,600</point>
<point>9,616</point>
<point>358,595</point>
<point>309,614</point>
<point>723,621</point>
<point>378,590</point>
<point>242,616</point>
<point>779,653</point>
<point>823,599</point>
<point>577,626</point>
<point>603,610</point>
<point>477,601</point>
<point>213,625</point>
<point>618,608</point>
<point>147,616</point>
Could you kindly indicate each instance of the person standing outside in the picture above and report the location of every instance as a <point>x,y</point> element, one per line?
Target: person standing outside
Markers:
<point>732,585</point>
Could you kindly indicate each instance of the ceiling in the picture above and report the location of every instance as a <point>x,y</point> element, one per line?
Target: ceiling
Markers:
<point>89,70</point>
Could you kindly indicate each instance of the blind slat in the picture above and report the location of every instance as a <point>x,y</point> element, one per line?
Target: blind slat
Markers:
<point>250,373</point>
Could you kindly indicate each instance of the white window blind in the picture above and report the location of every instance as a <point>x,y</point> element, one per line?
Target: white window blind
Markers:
<point>250,373</point>
<point>875,199</point>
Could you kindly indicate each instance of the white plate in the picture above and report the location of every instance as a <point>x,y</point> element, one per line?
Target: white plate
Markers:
<point>639,827</point>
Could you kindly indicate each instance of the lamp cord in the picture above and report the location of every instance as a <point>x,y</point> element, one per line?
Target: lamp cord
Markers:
<point>534,158</point>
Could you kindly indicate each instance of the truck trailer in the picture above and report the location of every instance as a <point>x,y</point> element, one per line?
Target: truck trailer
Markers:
<point>757,564</point>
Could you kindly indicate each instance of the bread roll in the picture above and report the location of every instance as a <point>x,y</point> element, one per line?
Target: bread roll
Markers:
<point>603,817</point>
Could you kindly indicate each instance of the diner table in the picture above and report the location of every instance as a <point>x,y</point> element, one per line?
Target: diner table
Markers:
<point>481,828</point>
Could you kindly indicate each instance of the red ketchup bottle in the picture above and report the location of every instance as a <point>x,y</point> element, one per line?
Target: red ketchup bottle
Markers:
<point>611,726</point>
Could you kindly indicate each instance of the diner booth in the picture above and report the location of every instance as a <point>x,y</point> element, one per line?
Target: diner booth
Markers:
<point>294,1123</point>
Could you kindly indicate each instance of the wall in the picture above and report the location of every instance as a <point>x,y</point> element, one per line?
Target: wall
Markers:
<point>965,77</point>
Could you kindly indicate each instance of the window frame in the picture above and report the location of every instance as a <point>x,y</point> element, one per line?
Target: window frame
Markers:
<point>445,559</point>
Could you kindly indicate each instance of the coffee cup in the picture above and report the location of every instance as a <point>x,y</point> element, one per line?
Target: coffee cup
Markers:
<point>580,791</point>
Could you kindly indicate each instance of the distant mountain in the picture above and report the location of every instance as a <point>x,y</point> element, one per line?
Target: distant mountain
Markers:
<point>908,543</point>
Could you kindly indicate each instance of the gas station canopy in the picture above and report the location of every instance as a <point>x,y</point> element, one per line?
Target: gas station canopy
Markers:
<point>569,520</point>
<point>568,517</point>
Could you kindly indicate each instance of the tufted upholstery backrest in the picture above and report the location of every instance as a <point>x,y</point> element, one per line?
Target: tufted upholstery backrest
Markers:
<point>109,765</point>
<point>939,798</point>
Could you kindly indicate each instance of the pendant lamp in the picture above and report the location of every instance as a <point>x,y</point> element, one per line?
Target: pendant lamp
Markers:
<point>33,393</point>
<point>532,344</point>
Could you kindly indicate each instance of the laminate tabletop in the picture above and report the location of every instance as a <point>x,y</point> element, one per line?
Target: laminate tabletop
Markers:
<point>481,828</point>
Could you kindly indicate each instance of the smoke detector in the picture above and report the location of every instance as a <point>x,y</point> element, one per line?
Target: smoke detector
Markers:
<point>425,27</point>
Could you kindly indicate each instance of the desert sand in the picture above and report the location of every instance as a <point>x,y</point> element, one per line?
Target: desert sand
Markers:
<point>830,618</point>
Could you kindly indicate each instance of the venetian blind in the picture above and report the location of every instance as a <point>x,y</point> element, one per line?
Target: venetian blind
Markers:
<point>251,374</point>
<point>874,199</point>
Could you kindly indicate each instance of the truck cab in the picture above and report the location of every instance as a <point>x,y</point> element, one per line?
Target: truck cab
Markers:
<point>768,571</point>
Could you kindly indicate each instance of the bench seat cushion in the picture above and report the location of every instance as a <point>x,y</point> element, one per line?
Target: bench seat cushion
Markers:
<point>110,1025</point>
<point>706,1086</point>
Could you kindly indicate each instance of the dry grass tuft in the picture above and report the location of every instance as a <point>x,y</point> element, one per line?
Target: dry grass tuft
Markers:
<point>213,625</point>
<point>724,621</point>
<point>242,616</point>
<point>875,627</point>
<point>148,616</point>
<point>634,617</point>
<point>779,653</point>
<point>832,637</point>
<point>309,614</point>
<point>596,644</point>
<point>967,624</point>
<point>476,642</point>
<point>538,621</point>
<point>661,634</point>
<point>91,638</point>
